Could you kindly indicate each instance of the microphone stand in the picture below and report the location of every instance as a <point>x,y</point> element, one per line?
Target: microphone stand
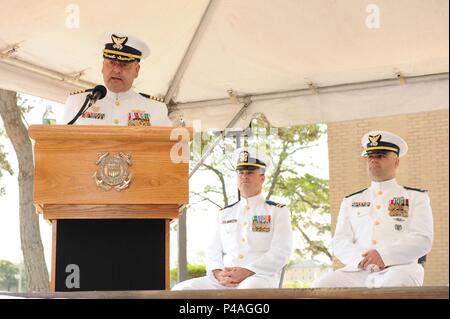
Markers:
<point>83,108</point>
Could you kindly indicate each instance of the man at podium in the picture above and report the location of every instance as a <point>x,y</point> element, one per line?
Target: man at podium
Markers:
<point>122,54</point>
<point>252,237</point>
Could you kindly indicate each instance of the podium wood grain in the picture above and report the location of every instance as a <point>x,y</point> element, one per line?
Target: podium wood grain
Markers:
<point>65,188</point>
<point>66,166</point>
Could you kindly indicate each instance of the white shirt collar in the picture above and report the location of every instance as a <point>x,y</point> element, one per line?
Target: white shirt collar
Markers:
<point>252,201</point>
<point>121,95</point>
<point>380,186</point>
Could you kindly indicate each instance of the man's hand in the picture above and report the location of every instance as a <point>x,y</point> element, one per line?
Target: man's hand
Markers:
<point>232,276</point>
<point>223,277</point>
<point>371,257</point>
<point>238,274</point>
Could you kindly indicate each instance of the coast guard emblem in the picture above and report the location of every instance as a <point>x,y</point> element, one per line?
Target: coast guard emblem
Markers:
<point>119,42</point>
<point>113,171</point>
<point>243,157</point>
<point>374,139</point>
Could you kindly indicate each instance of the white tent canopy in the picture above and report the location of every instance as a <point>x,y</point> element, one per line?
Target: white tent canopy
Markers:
<point>297,61</point>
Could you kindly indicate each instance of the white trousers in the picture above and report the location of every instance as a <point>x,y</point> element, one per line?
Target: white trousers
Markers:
<point>210,282</point>
<point>410,275</point>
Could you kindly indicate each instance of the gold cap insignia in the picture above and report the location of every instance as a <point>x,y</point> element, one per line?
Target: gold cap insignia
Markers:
<point>374,139</point>
<point>119,42</point>
<point>243,157</point>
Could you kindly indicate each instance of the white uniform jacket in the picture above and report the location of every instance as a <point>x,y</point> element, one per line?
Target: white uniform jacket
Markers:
<point>122,109</point>
<point>395,220</point>
<point>253,233</point>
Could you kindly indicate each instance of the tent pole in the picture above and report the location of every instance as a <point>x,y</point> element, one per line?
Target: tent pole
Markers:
<point>182,240</point>
<point>220,137</point>
<point>321,90</point>
<point>24,65</point>
<point>201,28</point>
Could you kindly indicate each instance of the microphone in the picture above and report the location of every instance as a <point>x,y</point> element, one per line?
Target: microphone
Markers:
<point>98,93</point>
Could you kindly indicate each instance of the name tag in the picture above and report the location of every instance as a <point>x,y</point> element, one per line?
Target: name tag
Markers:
<point>360,204</point>
<point>229,221</point>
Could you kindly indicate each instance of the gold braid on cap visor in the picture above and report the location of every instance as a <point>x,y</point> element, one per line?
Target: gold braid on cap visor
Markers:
<point>121,55</point>
<point>254,165</point>
<point>387,148</point>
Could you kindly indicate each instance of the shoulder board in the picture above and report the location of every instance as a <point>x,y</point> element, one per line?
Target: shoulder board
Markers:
<point>230,205</point>
<point>271,203</point>
<point>80,91</point>
<point>152,97</point>
<point>415,189</point>
<point>362,190</point>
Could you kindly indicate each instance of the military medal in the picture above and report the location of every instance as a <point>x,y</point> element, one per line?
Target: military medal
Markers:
<point>261,223</point>
<point>92,115</point>
<point>398,206</point>
<point>398,227</point>
<point>138,119</point>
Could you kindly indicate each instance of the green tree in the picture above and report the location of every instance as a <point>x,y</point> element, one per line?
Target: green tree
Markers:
<point>11,113</point>
<point>8,273</point>
<point>194,271</point>
<point>306,195</point>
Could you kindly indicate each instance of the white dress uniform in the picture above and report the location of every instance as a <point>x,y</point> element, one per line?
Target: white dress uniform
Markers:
<point>252,233</point>
<point>396,221</point>
<point>123,109</point>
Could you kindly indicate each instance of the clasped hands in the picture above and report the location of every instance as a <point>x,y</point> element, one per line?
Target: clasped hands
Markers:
<point>232,276</point>
<point>372,261</point>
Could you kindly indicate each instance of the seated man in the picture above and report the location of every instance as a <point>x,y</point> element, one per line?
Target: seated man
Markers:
<point>382,230</point>
<point>253,237</point>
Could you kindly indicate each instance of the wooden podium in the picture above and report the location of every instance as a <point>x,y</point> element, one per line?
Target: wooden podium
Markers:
<point>110,193</point>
